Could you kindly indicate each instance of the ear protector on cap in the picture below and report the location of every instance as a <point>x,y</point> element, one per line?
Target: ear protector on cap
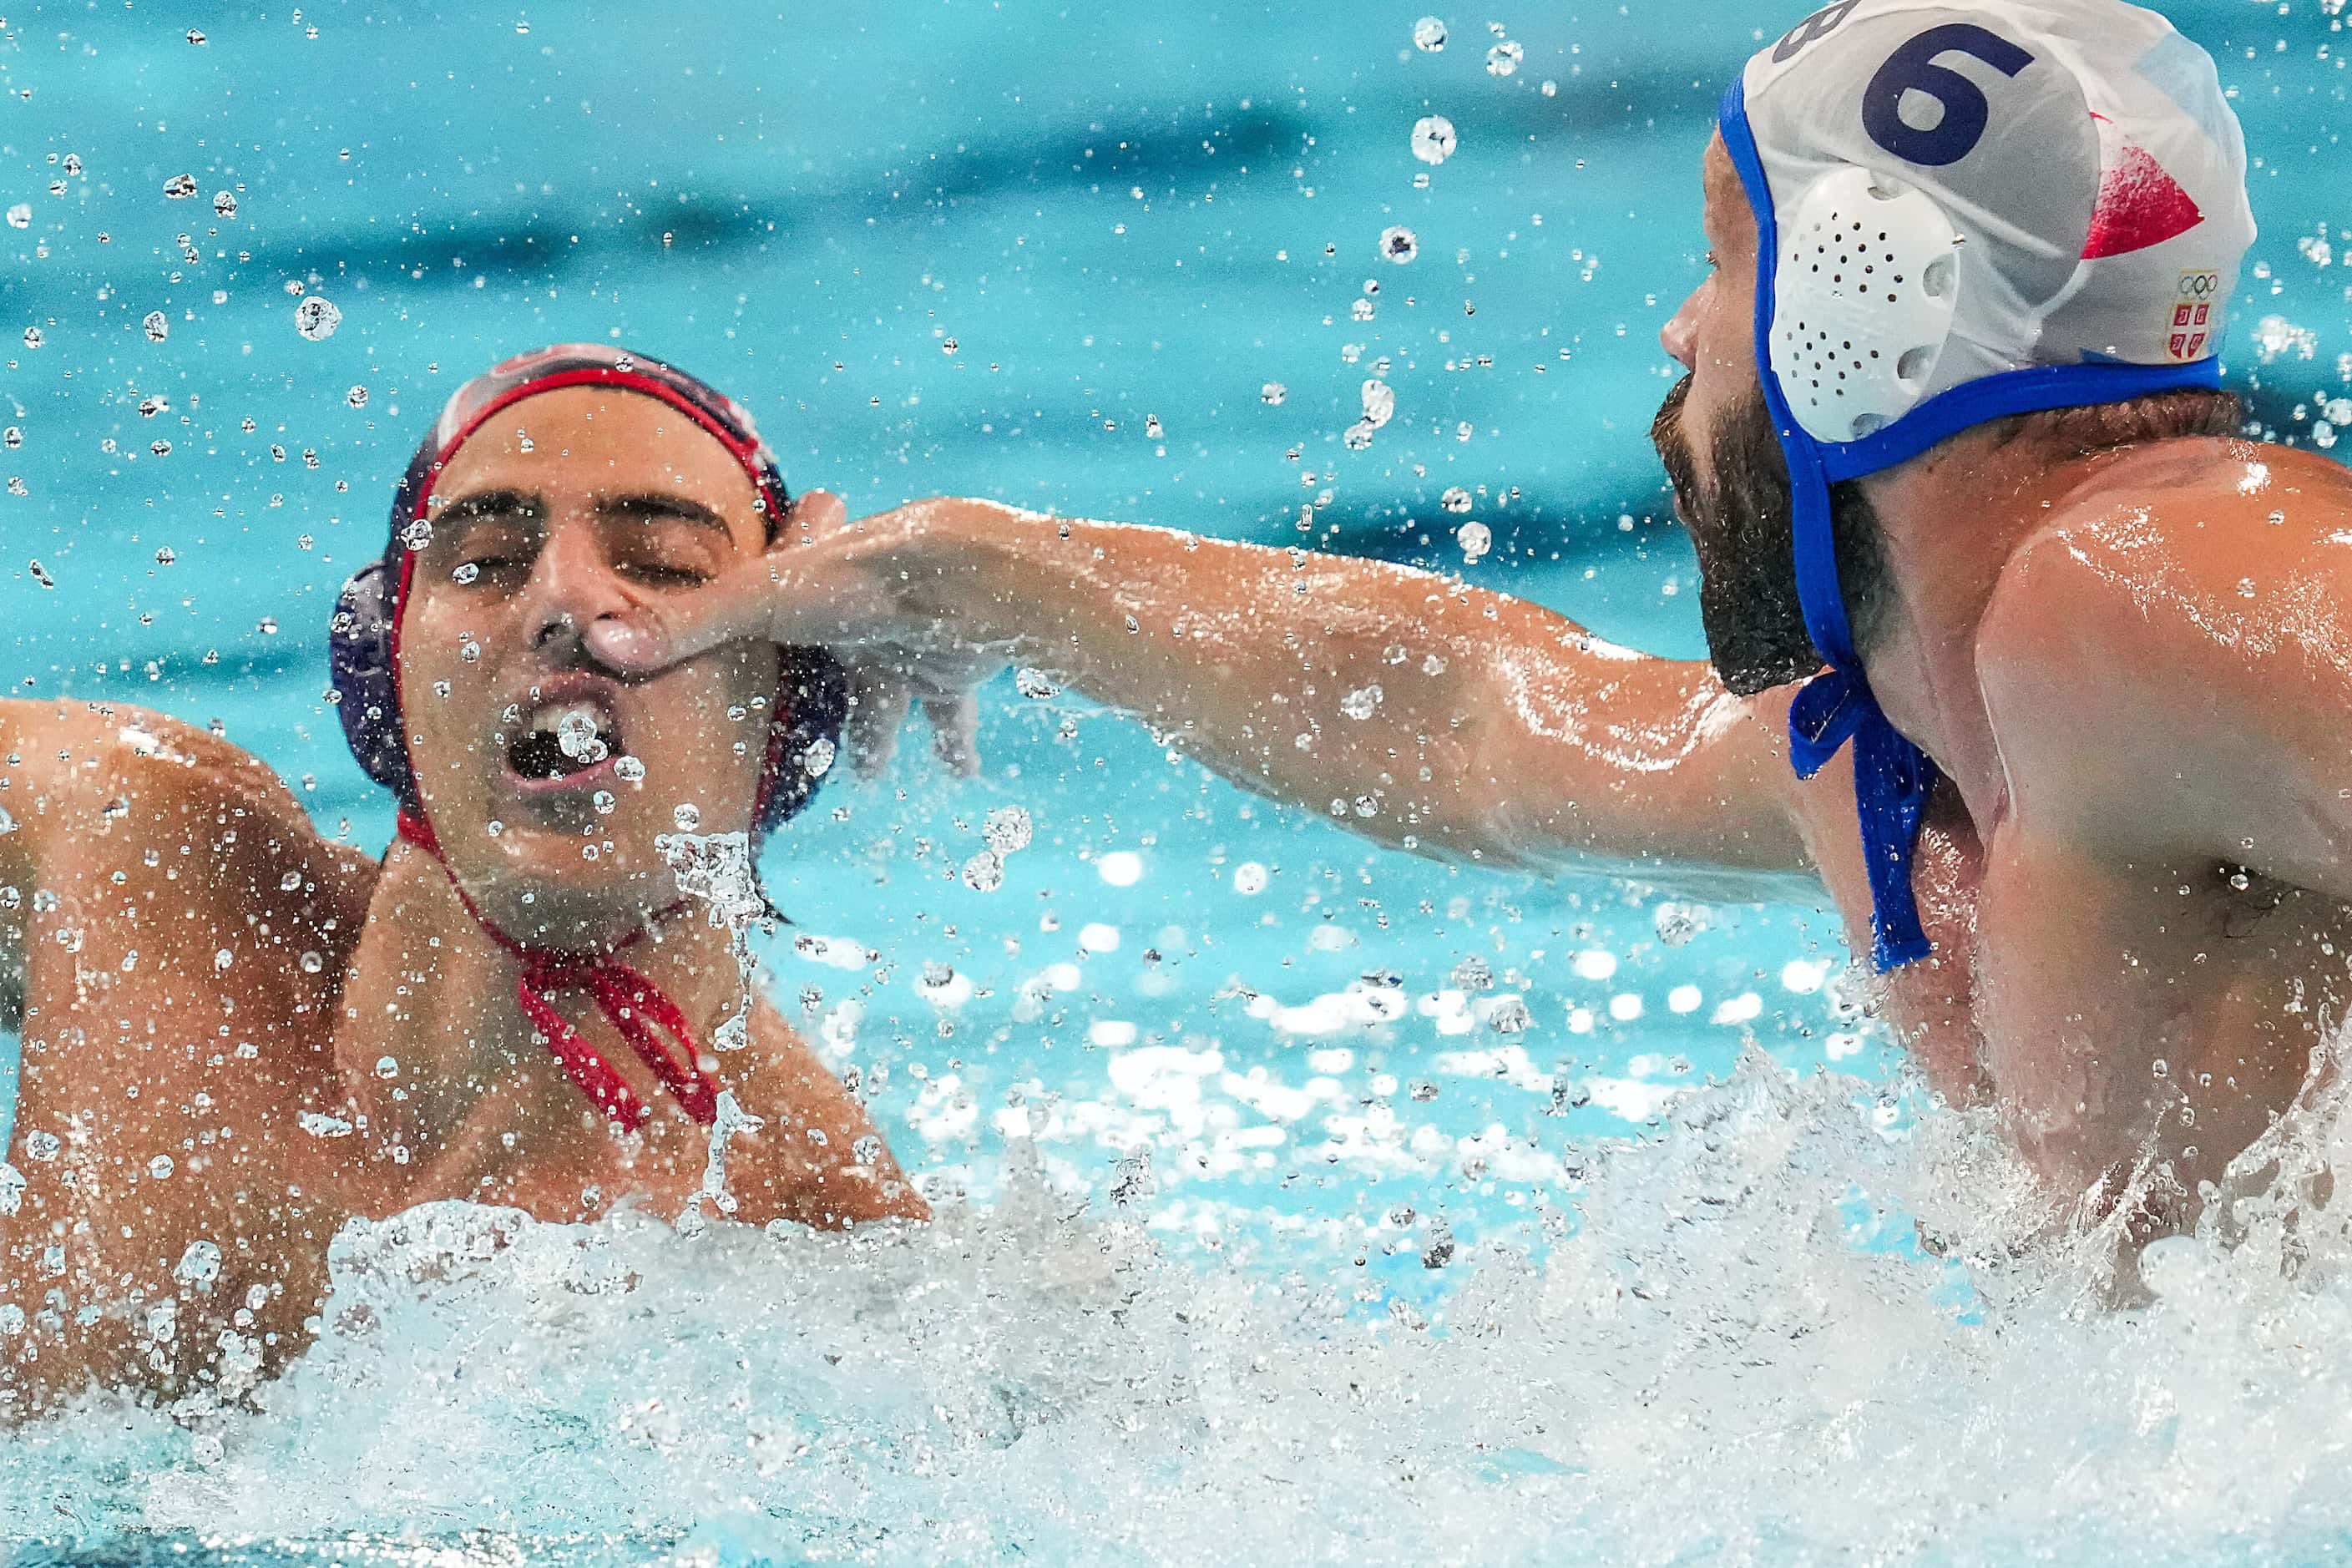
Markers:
<point>1867,288</point>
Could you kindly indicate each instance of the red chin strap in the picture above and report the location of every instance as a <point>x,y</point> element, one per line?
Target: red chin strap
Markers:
<point>634,1002</point>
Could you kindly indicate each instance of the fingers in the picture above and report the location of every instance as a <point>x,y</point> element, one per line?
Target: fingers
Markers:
<point>734,606</point>
<point>879,699</point>
<point>955,732</point>
<point>816,514</point>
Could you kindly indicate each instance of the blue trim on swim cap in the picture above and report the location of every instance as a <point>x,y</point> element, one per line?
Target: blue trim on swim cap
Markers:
<point>1893,778</point>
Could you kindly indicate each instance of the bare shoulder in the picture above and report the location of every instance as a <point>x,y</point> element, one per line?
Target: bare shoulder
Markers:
<point>2140,644</point>
<point>84,767</point>
<point>823,1162</point>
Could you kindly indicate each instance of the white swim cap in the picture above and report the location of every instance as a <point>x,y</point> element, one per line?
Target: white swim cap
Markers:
<point>1973,189</point>
<point>1965,211</point>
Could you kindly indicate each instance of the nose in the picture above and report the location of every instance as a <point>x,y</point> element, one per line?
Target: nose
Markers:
<point>1679,336</point>
<point>572,586</point>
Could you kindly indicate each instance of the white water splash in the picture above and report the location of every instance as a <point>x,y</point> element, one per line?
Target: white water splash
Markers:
<point>1732,1351</point>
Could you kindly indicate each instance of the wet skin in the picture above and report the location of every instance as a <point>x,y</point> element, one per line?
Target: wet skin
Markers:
<point>2135,668</point>
<point>145,851</point>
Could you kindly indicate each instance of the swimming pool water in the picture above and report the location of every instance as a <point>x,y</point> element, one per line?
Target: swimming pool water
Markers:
<point>1298,1198</point>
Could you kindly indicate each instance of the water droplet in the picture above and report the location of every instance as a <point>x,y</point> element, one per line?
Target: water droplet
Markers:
<point>317,317</point>
<point>387,1067</point>
<point>1007,829</point>
<point>160,449</point>
<point>1432,139</point>
<point>1475,540</point>
<point>1455,499</point>
<point>1505,58</point>
<point>21,216</point>
<point>470,651</point>
<point>604,802</point>
<point>576,737</point>
<point>289,882</point>
<point>466,571</point>
<point>985,872</point>
<point>160,1166</point>
<point>1249,879</point>
<point>1151,427</point>
<point>866,1150</point>
<point>179,187</point>
<point>628,770</point>
<point>13,436</point>
<point>688,816</point>
<point>33,338</point>
<point>195,36</point>
<point>223,959</point>
<point>1398,245</point>
<point>1035,684</point>
<point>157,326</point>
<point>225,203</point>
<point>268,626</point>
<point>1272,394</point>
<point>1429,34</point>
<point>356,397</point>
<point>1380,402</point>
<point>152,405</point>
<point>1363,702</point>
<point>199,1266</point>
<point>42,1146</point>
<point>819,758</point>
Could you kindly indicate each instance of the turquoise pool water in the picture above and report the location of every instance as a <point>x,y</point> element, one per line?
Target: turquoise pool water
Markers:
<point>1299,1199</point>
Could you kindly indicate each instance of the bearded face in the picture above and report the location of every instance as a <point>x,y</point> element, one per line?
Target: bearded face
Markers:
<point>1741,523</point>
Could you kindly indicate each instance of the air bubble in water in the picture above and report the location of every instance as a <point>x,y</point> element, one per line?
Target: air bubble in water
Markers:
<point>866,1150</point>
<point>160,1166</point>
<point>179,186</point>
<point>317,317</point>
<point>21,216</point>
<point>195,36</point>
<point>1380,402</point>
<point>199,1265</point>
<point>1151,427</point>
<point>1363,702</point>
<point>1432,139</point>
<point>466,571</point>
<point>628,770</point>
<point>157,326</point>
<point>289,882</point>
<point>1249,879</point>
<point>356,397</point>
<point>819,758</point>
<point>688,816</point>
<point>1429,34</point>
<point>985,872</point>
<point>1475,540</point>
<point>1034,684</point>
<point>1272,394</point>
<point>1678,923</point>
<point>1006,829</point>
<point>1455,499</point>
<point>1398,245</point>
<point>416,534</point>
<point>13,436</point>
<point>604,802</point>
<point>1505,58</point>
<point>225,203</point>
<point>33,338</point>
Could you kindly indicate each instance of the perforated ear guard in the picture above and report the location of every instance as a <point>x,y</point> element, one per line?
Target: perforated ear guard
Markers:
<point>1866,287</point>
<point>359,661</point>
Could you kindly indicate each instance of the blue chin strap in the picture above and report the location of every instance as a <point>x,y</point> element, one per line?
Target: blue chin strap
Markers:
<point>1892,776</point>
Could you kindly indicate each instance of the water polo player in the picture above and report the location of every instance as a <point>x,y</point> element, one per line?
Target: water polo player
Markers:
<point>237,1035</point>
<point>2075,769</point>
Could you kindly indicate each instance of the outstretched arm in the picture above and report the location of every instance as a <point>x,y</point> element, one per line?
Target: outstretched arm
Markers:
<point>1421,710</point>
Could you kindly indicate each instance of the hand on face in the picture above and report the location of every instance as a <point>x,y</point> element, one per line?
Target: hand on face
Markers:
<point>879,593</point>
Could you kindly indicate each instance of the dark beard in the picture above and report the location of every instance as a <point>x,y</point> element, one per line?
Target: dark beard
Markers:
<point>1743,530</point>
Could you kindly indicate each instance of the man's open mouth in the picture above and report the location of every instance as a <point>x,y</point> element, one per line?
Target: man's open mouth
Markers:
<point>562,740</point>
